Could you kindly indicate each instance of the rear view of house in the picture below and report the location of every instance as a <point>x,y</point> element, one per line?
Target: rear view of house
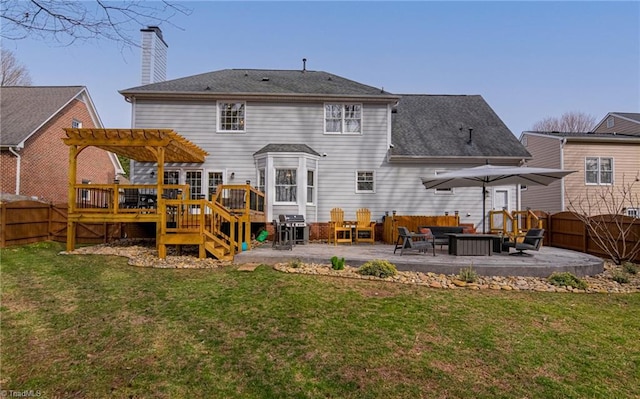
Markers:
<point>33,157</point>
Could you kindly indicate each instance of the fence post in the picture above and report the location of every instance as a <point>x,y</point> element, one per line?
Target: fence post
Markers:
<point>3,224</point>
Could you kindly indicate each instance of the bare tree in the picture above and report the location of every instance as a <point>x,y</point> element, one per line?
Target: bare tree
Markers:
<point>603,213</point>
<point>12,72</point>
<point>576,122</point>
<point>65,21</point>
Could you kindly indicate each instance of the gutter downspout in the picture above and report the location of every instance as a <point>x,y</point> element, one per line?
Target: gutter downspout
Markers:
<point>562,193</point>
<point>18,162</point>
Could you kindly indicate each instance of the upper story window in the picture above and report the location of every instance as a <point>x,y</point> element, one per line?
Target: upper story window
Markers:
<point>286,186</point>
<point>343,118</point>
<point>598,170</point>
<point>610,122</point>
<point>231,116</point>
<point>365,181</point>
<point>76,124</point>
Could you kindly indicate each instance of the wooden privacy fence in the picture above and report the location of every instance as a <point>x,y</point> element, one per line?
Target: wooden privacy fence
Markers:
<point>24,222</point>
<point>565,230</point>
<point>391,223</point>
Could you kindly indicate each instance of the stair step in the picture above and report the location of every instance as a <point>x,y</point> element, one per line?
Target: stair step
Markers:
<point>217,252</point>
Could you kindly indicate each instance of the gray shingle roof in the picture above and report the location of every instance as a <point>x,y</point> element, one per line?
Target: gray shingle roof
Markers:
<point>430,126</point>
<point>574,135</point>
<point>628,115</point>
<point>23,109</point>
<point>262,81</point>
<point>286,148</point>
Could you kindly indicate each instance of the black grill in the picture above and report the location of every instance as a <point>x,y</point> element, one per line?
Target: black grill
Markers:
<point>290,230</point>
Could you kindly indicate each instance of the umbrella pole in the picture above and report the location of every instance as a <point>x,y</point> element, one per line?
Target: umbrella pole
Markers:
<point>484,212</point>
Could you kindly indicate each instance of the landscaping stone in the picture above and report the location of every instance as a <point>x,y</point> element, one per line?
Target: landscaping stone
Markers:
<point>143,254</point>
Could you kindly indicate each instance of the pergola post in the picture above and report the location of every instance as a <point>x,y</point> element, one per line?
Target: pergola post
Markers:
<point>71,225</point>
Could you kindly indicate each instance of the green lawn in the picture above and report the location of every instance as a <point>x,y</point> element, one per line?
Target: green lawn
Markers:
<point>93,327</point>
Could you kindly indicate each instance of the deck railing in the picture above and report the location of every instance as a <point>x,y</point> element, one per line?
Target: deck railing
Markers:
<point>241,199</point>
<point>123,198</point>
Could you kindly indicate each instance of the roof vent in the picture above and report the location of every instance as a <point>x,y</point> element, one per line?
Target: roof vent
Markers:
<point>207,88</point>
<point>329,78</point>
<point>304,64</point>
<point>265,79</point>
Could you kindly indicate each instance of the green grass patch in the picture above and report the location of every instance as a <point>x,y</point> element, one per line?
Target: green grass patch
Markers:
<point>92,326</point>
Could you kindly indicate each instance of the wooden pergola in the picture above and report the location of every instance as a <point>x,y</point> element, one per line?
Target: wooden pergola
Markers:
<point>143,145</point>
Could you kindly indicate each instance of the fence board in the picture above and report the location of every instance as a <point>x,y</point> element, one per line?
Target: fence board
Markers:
<point>25,222</point>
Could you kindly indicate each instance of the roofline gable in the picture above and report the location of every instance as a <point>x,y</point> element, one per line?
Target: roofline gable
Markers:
<point>617,115</point>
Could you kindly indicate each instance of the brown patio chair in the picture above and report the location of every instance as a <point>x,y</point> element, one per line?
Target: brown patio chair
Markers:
<point>365,225</point>
<point>338,232</point>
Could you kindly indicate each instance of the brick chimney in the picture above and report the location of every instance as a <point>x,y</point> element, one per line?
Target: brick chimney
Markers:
<point>154,55</point>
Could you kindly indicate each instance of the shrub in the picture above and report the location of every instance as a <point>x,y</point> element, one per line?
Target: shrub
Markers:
<point>566,279</point>
<point>630,267</point>
<point>295,263</point>
<point>620,277</point>
<point>337,263</point>
<point>378,268</point>
<point>468,275</point>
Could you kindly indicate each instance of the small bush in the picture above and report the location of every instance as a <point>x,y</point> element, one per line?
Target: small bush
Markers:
<point>566,279</point>
<point>378,268</point>
<point>295,263</point>
<point>337,263</point>
<point>630,267</point>
<point>620,277</point>
<point>468,275</point>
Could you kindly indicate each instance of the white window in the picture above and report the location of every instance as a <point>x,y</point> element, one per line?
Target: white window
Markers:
<point>310,186</point>
<point>598,170</point>
<point>633,212</point>
<point>261,180</point>
<point>610,122</point>
<point>171,177</point>
<point>343,118</point>
<point>194,179</point>
<point>286,185</point>
<point>231,116</point>
<point>365,181</point>
<point>76,124</point>
<point>213,180</point>
<point>440,191</point>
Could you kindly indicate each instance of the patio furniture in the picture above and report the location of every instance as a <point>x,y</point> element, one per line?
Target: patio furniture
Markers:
<point>472,244</point>
<point>365,225</point>
<point>131,198</point>
<point>413,241</point>
<point>338,232</point>
<point>441,233</point>
<point>532,242</point>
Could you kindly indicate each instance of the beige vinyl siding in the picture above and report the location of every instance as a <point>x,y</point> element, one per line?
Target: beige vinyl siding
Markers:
<point>620,126</point>
<point>626,166</point>
<point>546,153</point>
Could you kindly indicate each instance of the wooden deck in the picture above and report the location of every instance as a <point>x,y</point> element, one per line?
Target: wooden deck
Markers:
<point>218,225</point>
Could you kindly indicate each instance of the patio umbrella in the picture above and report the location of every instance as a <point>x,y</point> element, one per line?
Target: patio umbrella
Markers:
<point>491,175</point>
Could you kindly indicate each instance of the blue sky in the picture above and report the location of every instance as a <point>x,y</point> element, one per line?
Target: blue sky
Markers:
<point>529,60</point>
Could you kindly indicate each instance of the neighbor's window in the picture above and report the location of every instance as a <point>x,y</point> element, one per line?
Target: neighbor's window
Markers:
<point>610,121</point>
<point>365,182</point>
<point>213,180</point>
<point>343,118</point>
<point>633,212</point>
<point>598,170</point>
<point>286,185</point>
<point>231,116</point>
<point>76,124</point>
<point>310,186</point>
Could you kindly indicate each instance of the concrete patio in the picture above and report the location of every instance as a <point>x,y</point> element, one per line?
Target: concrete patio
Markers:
<point>541,264</point>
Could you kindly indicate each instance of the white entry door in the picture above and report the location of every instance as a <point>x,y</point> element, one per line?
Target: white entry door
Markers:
<point>500,200</point>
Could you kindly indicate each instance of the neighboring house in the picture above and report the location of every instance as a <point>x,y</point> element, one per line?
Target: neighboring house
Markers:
<point>313,141</point>
<point>602,161</point>
<point>34,159</point>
